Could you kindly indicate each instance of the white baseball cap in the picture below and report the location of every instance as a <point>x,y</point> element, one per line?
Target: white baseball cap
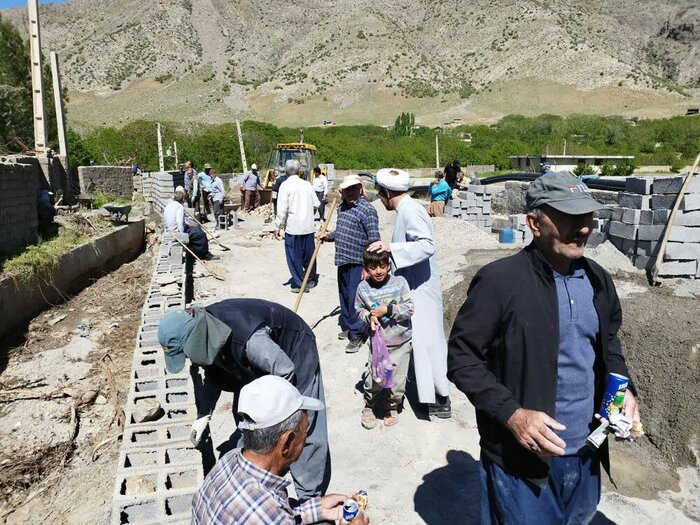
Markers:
<point>253,166</point>
<point>269,400</point>
<point>180,189</point>
<point>350,180</point>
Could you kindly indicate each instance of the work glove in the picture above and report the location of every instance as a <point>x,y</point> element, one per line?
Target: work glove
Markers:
<point>198,428</point>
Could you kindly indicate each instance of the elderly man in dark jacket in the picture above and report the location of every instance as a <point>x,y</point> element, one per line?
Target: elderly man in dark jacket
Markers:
<point>239,340</point>
<point>532,347</point>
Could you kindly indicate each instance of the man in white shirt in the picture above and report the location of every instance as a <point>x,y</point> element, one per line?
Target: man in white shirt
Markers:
<point>296,202</point>
<point>174,214</point>
<point>321,190</point>
<point>217,195</point>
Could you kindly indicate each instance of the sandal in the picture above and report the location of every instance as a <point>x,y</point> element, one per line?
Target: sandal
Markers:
<point>368,420</point>
<point>391,417</point>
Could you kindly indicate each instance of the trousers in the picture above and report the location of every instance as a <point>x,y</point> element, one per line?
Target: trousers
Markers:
<point>252,199</point>
<point>349,278</point>
<point>570,497</point>
<point>322,206</point>
<point>299,249</point>
<point>401,359</point>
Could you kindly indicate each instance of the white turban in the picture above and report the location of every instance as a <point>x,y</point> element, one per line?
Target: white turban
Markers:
<point>394,179</point>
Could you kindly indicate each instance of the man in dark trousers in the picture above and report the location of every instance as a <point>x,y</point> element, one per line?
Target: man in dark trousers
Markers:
<point>532,348</point>
<point>239,340</point>
<point>357,226</point>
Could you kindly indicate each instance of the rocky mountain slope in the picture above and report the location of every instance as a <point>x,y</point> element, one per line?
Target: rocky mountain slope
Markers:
<point>346,51</point>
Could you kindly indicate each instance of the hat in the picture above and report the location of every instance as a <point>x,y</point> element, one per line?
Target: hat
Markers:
<point>269,400</point>
<point>180,189</point>
<point>545,165</point>
<point>207,166</point>
<point>563,192</point>
<point>173,331</point>
<point>350,180</point>
<point>394,179</point>
<point>253,166</point>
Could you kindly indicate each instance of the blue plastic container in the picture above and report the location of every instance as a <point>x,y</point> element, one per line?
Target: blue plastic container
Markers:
<point>506,236</point>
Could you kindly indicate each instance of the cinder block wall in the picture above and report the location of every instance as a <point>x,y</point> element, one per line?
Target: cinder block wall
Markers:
<point>19,184</point>
<point>112,180</point>
<point>158,187</point>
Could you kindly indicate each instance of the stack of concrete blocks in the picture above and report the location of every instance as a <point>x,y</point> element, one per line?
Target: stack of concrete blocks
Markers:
<point>159,187</point>
<point>522,234</point>
<point>159,470</point>
<point>19,186</point>
<point>473,206</point>
<point>638,225</point>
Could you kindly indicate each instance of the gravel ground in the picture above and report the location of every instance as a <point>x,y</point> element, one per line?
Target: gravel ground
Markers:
<point>613,260</point>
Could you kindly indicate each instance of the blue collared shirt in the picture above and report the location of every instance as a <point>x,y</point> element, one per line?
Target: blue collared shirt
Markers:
<point>578,329</point>
<point>357,226</point>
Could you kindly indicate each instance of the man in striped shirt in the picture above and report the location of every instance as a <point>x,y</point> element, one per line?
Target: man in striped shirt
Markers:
<point>247,486</point>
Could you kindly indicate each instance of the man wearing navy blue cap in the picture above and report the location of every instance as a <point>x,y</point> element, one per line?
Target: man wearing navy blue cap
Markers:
<point>532,348</point>
<point>239,340</point>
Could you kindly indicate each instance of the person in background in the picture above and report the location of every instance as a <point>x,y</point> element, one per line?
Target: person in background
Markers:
<point>205,182</point>
<point>412,249</point>
<point>247,485</point>
<point>356,227</point>
<point>320,186</point>
<point>189,178</point>
<point>252,187</point>
<point>439,193</point>
<point>383,302</point>
<point>546,168</point>
<point>532,347</point>
<point>236,341</point>
<point>276,188</point>
<point>217,195</point>
<point>296,204</point>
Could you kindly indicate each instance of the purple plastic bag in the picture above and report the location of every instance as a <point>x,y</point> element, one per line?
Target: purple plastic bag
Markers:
<point>382,367</point>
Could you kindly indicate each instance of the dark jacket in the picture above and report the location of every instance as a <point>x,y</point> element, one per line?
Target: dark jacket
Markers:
<point>504,346</point>
<point>232,370</point>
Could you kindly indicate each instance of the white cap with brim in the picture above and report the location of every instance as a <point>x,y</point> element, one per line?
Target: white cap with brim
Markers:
<point>253,166</point>
<point>180,189</point>
<point>269,400</point>
<point>394,179</point>
<point>350,180</point>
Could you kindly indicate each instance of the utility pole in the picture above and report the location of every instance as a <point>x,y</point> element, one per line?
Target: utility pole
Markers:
<point>437,153</point>
<point>177,164</point>
<point>240,144</point>
<point>160,149</point>
<point>564,147</point>
<point>58,102</point>
<point>37,85</point>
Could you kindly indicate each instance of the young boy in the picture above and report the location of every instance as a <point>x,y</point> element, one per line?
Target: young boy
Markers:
<point>385,300</point>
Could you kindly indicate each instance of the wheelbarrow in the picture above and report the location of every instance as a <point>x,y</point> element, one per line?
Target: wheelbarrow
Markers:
<point>118,213</point>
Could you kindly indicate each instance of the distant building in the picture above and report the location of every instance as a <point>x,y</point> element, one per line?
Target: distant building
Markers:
<point>564,162</point>
<point>693,111</point>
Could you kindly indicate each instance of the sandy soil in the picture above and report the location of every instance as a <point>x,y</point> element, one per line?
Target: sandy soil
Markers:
<point>425,471</point>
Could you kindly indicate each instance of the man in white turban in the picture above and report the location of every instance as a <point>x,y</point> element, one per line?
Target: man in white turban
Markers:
<point>412,251</point>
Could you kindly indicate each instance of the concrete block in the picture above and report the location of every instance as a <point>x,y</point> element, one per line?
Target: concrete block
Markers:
<point>462,204</point>
<point>694,185</point>
<point>682,250</point>
<point>640,185</point>
<point>477,190</point>
<point>596,238</point>
<point>486,208</point>
<point>629,247</point>
<point>647,247</point>
<point>684,234</point>
<point>630,216</point>
<point>632,200</point>
<point>678,268</point>
<point>688,218</point>
<point>660,216</point>
<point>667,184</point>
<point>646,217</point>
<point>617,214</point>
<point>616,241</point>
<point>605,213</point>
<point>622,230</point>
<point>691,202</point>
<point>662,202</point>
<point>651,233</point>
<point>643,262</point>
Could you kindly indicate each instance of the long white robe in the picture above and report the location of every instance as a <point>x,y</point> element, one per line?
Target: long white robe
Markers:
<point>413,254</point>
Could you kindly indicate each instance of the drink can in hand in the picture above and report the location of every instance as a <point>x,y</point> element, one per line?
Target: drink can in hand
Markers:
<point>614,395</point>
<point>362,499</point>
<point>350,510</point>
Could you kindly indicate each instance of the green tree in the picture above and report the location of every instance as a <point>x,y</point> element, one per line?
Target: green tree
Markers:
<point>403,125</point>
<point>16,113</point>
